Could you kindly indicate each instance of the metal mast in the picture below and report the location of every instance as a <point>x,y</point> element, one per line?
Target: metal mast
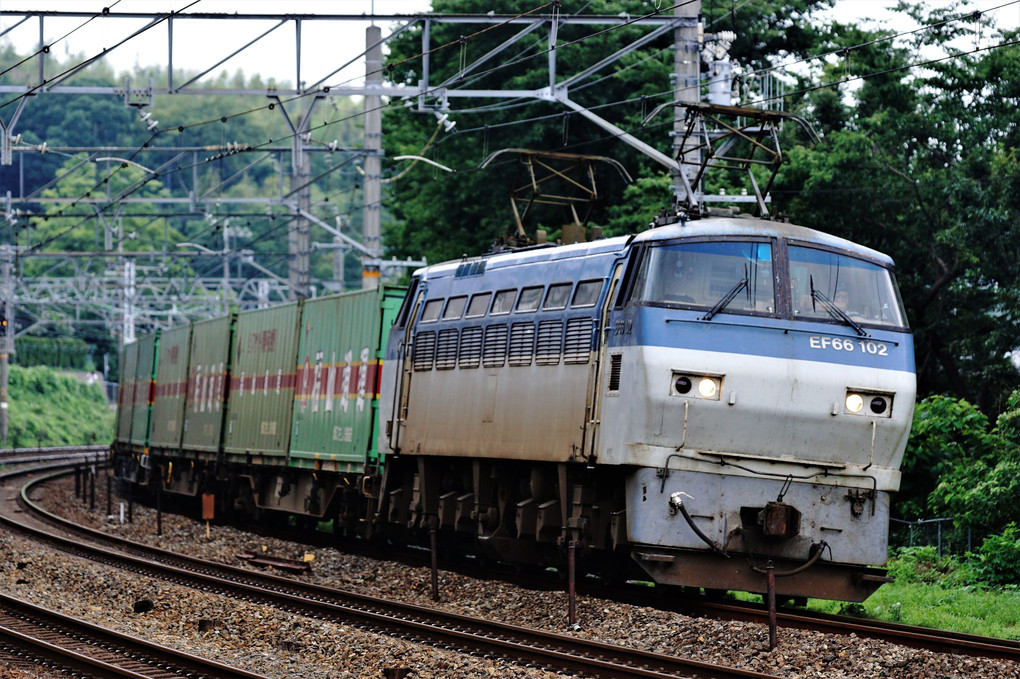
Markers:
<point>686,90</point>
<point>371,223</point>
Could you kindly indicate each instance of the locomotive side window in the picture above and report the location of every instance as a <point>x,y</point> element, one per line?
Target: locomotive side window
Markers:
<point>557,296</point>
<point>479,303</point>
<point>587,293</point>
<point>730,275</point>
<point>530,297</point>
<point>455,308</point>
<point>825,285</point>
<point>504,302</point>
<point>431,311</point>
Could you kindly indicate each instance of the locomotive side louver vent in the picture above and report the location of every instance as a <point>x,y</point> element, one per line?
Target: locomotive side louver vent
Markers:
<point>446,349</point>
<point>550,343</point>
<point>577,348</point>
<point>522,344</point>
<point>494,350</point>
<point>470,347</point>
<point>615,367</point>
<point>424,350</point>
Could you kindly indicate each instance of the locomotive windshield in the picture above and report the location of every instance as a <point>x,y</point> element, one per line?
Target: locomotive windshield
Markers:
<point>823,281</point>
<point>734,276</point>
<point>724,276</point>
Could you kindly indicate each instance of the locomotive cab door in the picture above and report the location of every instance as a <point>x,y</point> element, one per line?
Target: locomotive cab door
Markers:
<point>402,376</point>
<point>594,405</point>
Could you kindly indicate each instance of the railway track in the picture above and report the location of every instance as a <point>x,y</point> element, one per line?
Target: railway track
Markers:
<point>31,636</point>
<point>524,645</point>
<point>943,641</point>
<point>556,650</point>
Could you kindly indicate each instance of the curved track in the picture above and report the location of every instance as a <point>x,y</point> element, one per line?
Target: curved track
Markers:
<point>526,645</point>
<point>64,644</point>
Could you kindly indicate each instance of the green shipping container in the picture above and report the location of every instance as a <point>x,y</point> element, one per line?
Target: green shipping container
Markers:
<point>262,361</point>
<point>208,371</point>
<point>126,392</point>
<point>340,349</point>
<point>145,373</point>
<point>171,387</point>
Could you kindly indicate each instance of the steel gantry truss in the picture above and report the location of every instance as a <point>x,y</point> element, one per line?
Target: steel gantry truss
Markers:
<point>121,287</point>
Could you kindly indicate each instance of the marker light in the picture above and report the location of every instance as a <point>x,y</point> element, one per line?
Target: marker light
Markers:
<point>878,405</point>
<point>708,387</point>
<point>682,384</point>
<point>854,403</point>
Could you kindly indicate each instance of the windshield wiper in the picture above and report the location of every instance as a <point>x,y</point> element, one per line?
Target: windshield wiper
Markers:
<point>742,284</point>
<point>833,310</point>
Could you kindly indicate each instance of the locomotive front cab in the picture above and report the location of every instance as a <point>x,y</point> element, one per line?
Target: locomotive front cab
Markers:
<point>761,390</point>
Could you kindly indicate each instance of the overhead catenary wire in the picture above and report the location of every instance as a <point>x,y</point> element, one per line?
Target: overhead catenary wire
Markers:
<point>45,49</point>
<point>361,113</point>
<point>77,67</point>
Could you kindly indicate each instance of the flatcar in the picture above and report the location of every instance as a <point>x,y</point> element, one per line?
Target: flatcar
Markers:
<point>689,404</point>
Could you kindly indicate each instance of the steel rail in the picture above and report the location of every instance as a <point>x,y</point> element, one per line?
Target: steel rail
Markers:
<point>96,651</point>
<point>427,625</point>
<point>943,641</point>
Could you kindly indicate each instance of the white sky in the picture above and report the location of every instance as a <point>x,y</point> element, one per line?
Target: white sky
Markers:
<point>199,45</point>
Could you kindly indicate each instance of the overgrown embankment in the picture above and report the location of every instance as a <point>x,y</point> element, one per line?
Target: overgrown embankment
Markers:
<point>50,409</point>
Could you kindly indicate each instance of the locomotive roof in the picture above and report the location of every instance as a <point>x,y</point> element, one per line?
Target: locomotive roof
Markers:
<point>712,226</point>
<point>750,226</point>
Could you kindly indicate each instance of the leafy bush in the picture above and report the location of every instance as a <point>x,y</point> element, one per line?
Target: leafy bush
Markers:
<point>924,565</point>
<point>999,558</point>
<point>57,352</point>
<point>50,409</point>
<point>949,437</point>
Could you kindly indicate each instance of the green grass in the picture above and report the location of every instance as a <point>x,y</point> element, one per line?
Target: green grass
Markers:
<point>958,593</point>
<point>965,608</point>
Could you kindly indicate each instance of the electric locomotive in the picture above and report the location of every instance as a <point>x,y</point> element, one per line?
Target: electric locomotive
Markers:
<point>701,398</point>
<point>683,405</point>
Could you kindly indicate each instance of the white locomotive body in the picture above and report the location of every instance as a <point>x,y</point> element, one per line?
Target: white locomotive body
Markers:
<point>701,398</point>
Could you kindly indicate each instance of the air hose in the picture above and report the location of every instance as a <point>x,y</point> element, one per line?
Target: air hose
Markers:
<point>818,549</point>
<point>676,503</point>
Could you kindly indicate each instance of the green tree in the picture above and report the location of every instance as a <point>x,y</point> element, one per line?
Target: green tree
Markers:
<point>959,468</point>
<point>948,434</point>
<point>446,215</point>
<point>921,163</point>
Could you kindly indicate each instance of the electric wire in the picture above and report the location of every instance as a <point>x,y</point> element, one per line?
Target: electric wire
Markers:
<point>77,67</point>
<point>45,49</point>
<point>361,113</point>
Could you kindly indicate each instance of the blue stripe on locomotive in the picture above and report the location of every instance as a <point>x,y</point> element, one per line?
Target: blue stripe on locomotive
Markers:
<point>762,336</point>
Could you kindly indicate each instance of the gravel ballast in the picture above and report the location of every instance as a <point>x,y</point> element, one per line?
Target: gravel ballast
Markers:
<point>280,644</point>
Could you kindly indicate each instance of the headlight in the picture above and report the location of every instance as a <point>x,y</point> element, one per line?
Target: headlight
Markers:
<point>868,404</point>
<point>708,386</point>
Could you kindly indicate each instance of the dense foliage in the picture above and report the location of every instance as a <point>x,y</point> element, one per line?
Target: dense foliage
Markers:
<point>57,352</point>
<point>50,409</point>
<point>918,158</point>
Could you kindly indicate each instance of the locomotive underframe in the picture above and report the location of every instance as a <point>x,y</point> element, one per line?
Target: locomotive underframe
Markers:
<point>521,512</point>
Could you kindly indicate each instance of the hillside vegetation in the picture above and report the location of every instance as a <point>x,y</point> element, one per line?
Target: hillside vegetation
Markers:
<point>50,409</point>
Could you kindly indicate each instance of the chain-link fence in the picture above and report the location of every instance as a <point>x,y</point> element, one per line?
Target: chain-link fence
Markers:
<point>938,533</point>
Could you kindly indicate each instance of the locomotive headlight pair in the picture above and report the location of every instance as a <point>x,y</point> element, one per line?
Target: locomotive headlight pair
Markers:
<point>702,386</point>
<point>863,403</point>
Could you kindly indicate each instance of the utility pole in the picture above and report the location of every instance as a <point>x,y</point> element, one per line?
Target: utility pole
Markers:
<point>372,182</point>
<point>128,332</point>
<point>686,89</point>
<point>7,340</point>
<point>299,238</point>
